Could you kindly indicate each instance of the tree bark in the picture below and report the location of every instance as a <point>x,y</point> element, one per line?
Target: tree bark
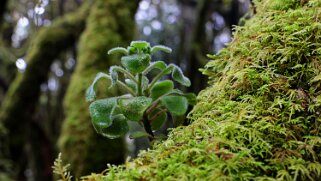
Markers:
<point>193,48</point>
<point>110,24</point>
<point>22,97</point>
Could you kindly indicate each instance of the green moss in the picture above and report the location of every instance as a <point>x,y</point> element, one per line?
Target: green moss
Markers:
<point>259,118</point>
<point>282,5</point>
<point>109,24</point>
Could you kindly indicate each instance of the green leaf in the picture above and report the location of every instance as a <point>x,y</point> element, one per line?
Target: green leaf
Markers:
<point>113,74</point>
<point>157,118</point>
<point>158,65</point>
<point>139,44</point>
<point>118,50</point>
<point>138,47</point>
<point>145,82</point>
<point>131,84</point>
<point>161,48</point>
<point>117,129</point>
<point>90,92</point>
<point>136,63</point>
<point>177,105</point>
<point>161,88</point>
<point>101,112</point>
<point>138,134</point>
<point>178,76</point>
<point>134,108</point>
<point>191,97</point>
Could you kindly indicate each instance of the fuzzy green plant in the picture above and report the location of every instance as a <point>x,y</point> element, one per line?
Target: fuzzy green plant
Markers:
<point>260,117</point>
<point>147,100</point>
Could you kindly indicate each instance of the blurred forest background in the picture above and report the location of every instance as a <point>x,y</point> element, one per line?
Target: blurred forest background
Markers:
<point>50,51</point>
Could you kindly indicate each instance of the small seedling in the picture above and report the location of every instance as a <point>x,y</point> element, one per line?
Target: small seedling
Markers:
<point>148,100</point>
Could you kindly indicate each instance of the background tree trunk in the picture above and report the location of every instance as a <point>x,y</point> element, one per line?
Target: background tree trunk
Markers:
<point>3,6</point>
<point>110,24</point>
<point>22,97</point>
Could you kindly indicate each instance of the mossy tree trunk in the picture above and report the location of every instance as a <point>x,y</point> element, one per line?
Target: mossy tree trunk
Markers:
<point>259,118</point>
<point>22,97</point>
<point>110,24</point>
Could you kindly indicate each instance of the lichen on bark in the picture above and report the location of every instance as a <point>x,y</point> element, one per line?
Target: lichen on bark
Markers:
<point>259,118</point>
<point>109,24</point>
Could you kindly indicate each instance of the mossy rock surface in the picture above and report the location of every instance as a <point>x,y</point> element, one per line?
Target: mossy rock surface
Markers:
<point>259,118</point>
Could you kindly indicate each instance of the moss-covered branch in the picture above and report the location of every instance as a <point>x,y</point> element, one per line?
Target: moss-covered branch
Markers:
<point>20,101</point>
<point>259,119</point>
<point>110,24</point>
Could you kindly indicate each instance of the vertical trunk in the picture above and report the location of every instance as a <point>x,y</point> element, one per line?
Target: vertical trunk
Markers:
<point>3,5</point>
<point>110,24</point>
<point>192,48</point>
<point>199,46</point>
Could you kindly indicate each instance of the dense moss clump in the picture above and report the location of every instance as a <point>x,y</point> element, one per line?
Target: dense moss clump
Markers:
<point>259,119</point>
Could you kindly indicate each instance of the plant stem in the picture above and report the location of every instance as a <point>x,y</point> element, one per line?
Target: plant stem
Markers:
<point>148,127</point>
<point>124,86</point>
<point>157,115</point>
<point>128,74</point>
<point>153,106</point>
<point>140,86</point>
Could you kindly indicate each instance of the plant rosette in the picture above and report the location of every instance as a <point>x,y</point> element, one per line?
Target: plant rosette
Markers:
<point>147,102</point>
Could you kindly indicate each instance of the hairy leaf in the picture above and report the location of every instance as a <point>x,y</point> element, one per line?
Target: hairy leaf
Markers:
<point>158,65</point>
<point>145,81</point>
<point>101,112</point>
<point>161,88</point>
<point>178,76</point>
<point>177,105</point>
<point>118,50</point>
<point>161,48</point>
<point>113,74</point>
<point>90,92</point>
<point>134,108</point>
<point>136,63</point>
<point>139,44</point>
<point>130,83</point>
<point>191,97</point>
<point>117,129</point>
